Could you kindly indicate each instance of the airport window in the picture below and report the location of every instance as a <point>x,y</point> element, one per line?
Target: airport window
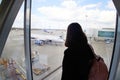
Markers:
<point>47,43</point>
<point>12,61</point>
<point>49,21</point>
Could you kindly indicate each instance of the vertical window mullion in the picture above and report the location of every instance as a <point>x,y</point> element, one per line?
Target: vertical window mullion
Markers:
<point>116,51</point>
<point>27,42</point>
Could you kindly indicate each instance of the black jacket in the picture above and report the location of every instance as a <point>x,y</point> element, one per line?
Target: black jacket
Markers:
<point>76,63</point>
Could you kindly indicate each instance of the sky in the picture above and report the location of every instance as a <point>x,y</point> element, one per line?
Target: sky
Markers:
<point>58,14</point>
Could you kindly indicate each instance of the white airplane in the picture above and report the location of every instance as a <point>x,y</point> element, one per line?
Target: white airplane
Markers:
<point>46,39</point>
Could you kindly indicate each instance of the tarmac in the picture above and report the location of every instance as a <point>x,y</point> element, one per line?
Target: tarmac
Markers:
<point>49,54</point>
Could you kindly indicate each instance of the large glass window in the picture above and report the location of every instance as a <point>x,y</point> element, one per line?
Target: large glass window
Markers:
<point>12,61</point>
<point>49,21</point>
<point>47,41</point>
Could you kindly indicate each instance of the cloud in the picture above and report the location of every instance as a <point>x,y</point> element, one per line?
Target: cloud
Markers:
<point>107,16</point>
<point>69,4</point>
<point>89,16</point>
<point>89,6</point>
<point>69,11</point>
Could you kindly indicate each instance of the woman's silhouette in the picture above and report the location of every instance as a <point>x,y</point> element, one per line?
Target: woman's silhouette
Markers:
<point>77,56</point>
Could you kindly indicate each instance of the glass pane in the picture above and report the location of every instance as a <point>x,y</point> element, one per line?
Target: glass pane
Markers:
<point>12,64</point>
<point>50,20</point>
<point>47,42</point>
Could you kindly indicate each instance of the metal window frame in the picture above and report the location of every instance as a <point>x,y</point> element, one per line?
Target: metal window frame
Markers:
<point>116,49</point>
<point>27,40</point>
<point>116,52</point>
<point>117,5</point>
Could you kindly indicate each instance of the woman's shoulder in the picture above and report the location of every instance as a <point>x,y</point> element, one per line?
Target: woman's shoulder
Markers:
<point>66,50</point>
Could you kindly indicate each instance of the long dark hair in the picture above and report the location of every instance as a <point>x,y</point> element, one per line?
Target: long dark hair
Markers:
<point>75,36</point>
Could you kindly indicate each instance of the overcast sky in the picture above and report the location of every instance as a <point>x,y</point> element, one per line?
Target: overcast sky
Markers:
<point>59,14</point>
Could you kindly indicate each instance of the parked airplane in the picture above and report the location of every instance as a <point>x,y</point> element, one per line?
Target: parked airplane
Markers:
<point>46,39</point>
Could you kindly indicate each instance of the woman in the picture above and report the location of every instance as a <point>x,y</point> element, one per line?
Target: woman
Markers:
<point>77,56</point>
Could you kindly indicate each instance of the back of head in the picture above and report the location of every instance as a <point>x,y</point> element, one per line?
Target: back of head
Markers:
<point>75,36</point>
